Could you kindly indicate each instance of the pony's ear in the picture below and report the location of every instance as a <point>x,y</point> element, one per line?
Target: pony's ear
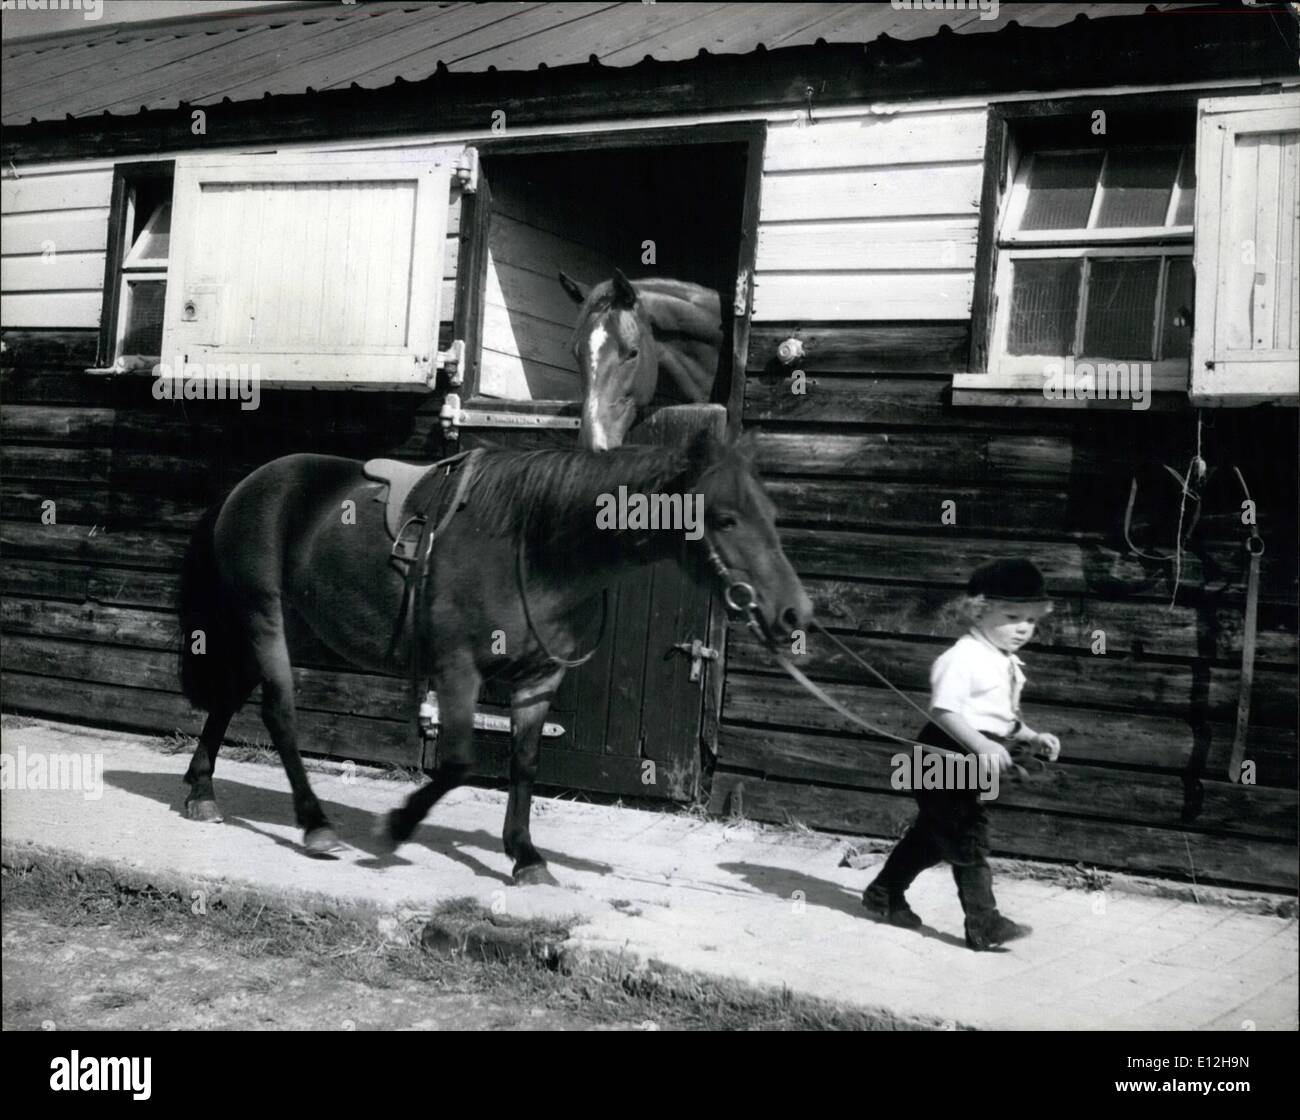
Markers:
<point>573,288</point>
<point>746,446</point>
<point>705,449</point>
<point>624,293</point>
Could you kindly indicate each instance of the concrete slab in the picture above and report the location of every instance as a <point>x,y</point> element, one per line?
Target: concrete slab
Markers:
<point>767,906</point>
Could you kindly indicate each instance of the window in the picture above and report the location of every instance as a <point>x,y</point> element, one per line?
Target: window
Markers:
<point>1124,235</point>
<point>135,281</point>
<point>1094,263</point>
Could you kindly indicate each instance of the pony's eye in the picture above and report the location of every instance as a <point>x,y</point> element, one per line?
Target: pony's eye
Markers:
<point>726,522</point>
<point>633,354</point>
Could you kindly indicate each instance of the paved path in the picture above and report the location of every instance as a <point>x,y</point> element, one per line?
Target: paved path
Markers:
<point>763,905</point>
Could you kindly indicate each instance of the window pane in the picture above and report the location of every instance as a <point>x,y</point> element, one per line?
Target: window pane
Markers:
<point>1121,308</point>
<point>144,317</point>
<point>1185,211</point>
<point>156,236</point>
<point>1044,304</point>
<point>1178,309</point>
<point>1060,191</point>
<point>1135,188</point>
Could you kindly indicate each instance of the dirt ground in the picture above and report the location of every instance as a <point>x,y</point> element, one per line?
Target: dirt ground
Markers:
<point>102,977</point>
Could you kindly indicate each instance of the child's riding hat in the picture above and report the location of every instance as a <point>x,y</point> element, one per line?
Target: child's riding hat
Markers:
<point>1014,580</point>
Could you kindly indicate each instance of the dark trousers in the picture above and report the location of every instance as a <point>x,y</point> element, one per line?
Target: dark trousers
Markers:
<point>952,827</point>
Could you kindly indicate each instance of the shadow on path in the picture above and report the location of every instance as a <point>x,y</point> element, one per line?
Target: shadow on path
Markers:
<point>783,882</point>
<point>242,805</point>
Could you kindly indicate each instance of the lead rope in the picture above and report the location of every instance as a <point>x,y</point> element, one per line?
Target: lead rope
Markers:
<point>741,597</point>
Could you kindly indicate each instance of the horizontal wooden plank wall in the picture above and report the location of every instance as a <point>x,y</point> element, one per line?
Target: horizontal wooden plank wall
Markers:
<point>871,217</point>
<point>859,464</point>
<point>88,614</point>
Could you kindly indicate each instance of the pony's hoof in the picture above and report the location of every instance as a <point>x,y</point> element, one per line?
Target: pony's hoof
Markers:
<point>204,810</point>
<point>322,841</point>
<point>534,875</point>
<point>382,832</point>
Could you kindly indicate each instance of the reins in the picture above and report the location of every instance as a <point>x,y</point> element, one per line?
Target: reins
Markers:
<point>749,607</point>
<point>562,662</point>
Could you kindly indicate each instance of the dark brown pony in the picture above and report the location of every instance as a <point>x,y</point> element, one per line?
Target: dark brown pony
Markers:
<point>514,586</point>
<point>639,341</point>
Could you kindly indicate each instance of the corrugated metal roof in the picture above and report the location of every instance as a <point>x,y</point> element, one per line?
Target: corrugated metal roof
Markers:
<point>125,68</point>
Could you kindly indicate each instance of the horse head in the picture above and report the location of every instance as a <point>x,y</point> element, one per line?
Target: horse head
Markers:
<point>617,358</point>
<point>638,340</point>
<point>740,534</point>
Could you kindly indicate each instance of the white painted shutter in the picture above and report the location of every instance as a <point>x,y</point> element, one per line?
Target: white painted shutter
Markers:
<point>316,267</point>
<point>1246,332</point>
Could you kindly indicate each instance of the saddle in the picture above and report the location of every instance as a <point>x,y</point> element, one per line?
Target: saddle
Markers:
<point>408,492</point>
<point>413,497</point>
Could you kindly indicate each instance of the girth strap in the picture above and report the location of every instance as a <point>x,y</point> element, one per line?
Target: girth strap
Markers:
<point>415,585</point>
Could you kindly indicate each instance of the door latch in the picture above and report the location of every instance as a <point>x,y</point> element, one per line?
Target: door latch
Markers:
<point>453,361</point>
<point>698,652</point>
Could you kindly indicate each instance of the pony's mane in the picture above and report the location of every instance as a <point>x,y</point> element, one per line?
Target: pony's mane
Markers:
<point>548,498</point>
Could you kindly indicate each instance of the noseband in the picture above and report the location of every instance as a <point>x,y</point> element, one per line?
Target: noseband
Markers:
<point>737,594</point>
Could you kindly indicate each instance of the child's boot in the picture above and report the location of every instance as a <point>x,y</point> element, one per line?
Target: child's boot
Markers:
<point>889,906</point>
<point>884,898</point>
<point>985,927</point>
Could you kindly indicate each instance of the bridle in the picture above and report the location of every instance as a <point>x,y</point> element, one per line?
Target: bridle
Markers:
<point>732,589</point>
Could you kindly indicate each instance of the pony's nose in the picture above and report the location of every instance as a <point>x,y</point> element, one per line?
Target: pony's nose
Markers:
<point>798,615</point>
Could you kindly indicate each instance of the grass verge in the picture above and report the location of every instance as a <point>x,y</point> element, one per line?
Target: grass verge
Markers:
<point>381,950</point>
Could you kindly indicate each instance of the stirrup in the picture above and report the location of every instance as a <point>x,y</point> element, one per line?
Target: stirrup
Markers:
<point>404,548</point>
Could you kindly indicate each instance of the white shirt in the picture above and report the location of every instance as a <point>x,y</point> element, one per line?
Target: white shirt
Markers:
<point>979,682</point>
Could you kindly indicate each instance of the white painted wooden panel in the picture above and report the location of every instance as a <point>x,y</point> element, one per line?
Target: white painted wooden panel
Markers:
<point>53,272</point>
<point>877,244</point>
<point>874,140</point>
<point>77,190</point>
<point>72,231</point>
<point>864,296</point>
<point>314,269</point>
<point>333,274</point>
<point>1246,346</point>
<point>56,310</point>
<point>875,192</point>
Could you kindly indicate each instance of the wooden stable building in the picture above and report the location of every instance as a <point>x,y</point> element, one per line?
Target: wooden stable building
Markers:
<point>910,215</point>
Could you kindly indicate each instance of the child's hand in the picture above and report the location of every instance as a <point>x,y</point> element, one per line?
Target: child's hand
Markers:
<point>996,751</point>
<point>1048,742</point>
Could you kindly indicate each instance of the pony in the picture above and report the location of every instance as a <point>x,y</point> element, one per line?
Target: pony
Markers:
<point>638,341</point>
<point>513,579</point>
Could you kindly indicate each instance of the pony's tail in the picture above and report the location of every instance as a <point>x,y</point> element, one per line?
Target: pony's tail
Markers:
<point>206,668</point>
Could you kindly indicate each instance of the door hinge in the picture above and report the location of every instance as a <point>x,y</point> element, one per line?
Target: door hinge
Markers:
<point>698,652</point>
<point>466,171</point>
<point>449,415</point>
<point>453,361</point>
<point>741,304</point>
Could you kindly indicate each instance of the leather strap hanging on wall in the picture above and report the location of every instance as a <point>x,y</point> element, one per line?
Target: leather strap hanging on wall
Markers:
<point>1254,545</point>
